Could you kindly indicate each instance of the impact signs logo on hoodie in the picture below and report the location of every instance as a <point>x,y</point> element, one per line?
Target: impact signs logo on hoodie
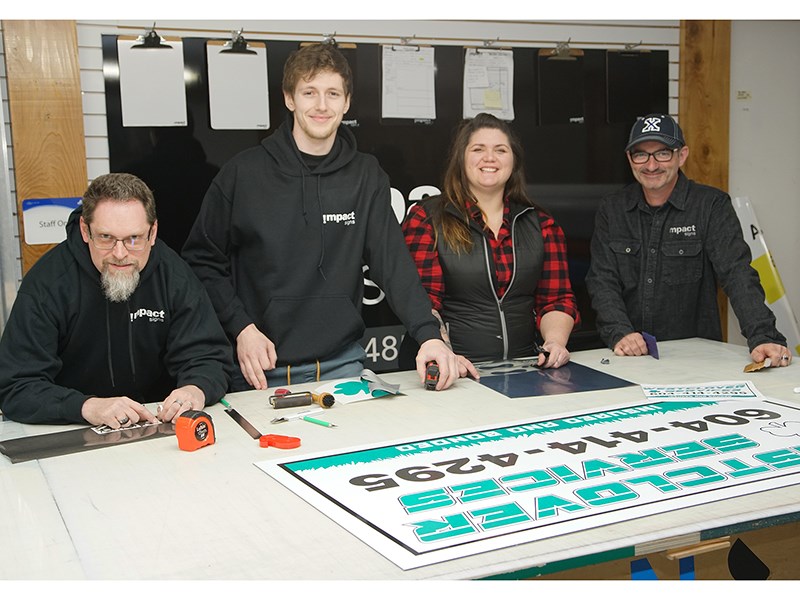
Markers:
<point>156,316</point>
<point>343,218</point>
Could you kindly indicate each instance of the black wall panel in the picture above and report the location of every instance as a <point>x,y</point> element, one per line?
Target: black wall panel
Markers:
<point>570,163</point>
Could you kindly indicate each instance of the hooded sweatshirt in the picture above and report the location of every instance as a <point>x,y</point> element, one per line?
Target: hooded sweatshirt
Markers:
<point>282,246</point>
<point>65,342</point>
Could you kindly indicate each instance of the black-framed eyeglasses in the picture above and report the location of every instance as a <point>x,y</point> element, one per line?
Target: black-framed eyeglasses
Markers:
<point>134,243</point>
<point>639,157</point>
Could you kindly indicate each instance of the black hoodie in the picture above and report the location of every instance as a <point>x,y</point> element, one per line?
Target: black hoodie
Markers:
<point>282,246</point>
<point>65,342</point>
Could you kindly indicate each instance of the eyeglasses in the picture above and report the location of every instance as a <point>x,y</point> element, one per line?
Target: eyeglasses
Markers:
<point>664,155</point>
<point>134,243</point>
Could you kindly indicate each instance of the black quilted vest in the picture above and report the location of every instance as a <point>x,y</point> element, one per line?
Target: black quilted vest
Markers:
<point>481,326</point>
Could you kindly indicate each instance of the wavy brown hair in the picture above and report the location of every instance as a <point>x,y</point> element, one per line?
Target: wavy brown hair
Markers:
<point>311,60</point>
<point>456,192</point>
<point>120,187</point>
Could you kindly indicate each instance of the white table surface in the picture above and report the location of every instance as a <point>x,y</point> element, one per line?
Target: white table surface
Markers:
<point>148,510</point>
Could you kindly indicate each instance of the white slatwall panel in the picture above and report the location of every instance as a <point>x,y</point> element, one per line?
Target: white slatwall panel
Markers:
<point>10,263</point>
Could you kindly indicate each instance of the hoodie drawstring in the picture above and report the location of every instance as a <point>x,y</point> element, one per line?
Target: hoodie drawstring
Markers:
<point>108,348</point>
<point>130,343</point>
<point>306,170</point>
<point>303,195</point>
<point>321,229</point>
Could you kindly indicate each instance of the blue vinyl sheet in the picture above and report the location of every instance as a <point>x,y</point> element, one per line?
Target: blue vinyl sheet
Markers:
<point>518,379</point>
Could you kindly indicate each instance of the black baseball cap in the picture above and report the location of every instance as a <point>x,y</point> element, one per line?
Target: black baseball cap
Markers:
<point>658,128</point>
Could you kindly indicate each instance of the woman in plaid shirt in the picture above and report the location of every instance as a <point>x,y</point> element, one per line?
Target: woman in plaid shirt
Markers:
<point>494,265</point>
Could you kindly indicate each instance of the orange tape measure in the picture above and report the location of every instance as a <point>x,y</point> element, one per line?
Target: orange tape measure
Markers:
<point>194,429</point>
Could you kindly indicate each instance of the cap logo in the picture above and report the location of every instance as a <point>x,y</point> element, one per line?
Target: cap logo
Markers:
<point>651,124</point>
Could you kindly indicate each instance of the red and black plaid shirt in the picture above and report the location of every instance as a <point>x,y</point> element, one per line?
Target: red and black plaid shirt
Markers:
<point>553,292</point>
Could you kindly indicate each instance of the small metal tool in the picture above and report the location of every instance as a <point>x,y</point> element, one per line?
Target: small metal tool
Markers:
<point>298,415</point>
<point>243,423</point>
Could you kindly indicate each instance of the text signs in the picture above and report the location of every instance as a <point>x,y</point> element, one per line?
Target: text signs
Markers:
<point>424,501</point>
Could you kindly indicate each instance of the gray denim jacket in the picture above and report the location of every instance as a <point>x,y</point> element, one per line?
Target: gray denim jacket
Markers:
<point>656,270</point>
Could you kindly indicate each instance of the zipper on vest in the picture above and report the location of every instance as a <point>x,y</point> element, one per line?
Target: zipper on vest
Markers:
<point>505,330</point>
<point>499,302</point>
<point>486,250</point>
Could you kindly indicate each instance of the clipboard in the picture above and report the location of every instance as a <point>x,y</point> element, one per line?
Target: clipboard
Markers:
<point>630,87</point>
<point>408,82</point>
<point>561,86</point>
<point>152,88</point>
<point>489,87</point>
<point>238,85</point>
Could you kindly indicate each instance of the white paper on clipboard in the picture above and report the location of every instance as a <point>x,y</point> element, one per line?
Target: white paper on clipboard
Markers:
<point>152,89</point>
<point>408,86</point>
<point>238,92</point>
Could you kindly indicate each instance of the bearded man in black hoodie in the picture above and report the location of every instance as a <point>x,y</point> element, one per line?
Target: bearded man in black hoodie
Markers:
<point>110,319</point>
<point>284,231</point>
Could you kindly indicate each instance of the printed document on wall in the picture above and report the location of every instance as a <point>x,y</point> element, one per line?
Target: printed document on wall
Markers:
<point>238,93</point>
<point>151,85</point>
<point>408,83</point>
<point>489,83</point>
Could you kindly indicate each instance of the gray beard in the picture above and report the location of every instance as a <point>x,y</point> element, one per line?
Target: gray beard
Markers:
<point>119,287</point>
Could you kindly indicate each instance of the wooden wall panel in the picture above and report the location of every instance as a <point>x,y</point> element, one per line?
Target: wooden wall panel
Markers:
<point>704,108</point>
<point>46,115</point>
<point>704,99</point>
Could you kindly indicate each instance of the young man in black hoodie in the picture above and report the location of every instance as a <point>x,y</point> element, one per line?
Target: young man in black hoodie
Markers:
<point>110,319</point>
<point>284,231</point>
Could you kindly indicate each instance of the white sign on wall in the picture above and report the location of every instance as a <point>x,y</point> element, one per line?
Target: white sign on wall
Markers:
<point>45,219</point>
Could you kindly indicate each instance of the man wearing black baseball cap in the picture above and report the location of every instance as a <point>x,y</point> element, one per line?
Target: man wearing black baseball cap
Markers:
<point>661,246</point>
